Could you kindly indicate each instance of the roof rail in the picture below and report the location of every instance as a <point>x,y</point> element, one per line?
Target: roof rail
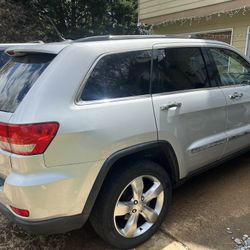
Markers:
<point>129,37</point>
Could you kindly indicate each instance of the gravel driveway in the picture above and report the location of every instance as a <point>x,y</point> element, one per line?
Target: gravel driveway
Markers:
<point>208,212</point>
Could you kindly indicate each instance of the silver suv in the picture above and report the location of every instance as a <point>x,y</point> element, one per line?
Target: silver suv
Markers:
<point>104,128</point>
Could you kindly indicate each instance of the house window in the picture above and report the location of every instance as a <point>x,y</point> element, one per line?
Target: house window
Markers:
<point>248,43</point>
<point>223,36</point>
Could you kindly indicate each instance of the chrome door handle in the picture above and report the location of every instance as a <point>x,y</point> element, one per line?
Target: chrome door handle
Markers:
<point>235,95</point>
<point>171,105</point>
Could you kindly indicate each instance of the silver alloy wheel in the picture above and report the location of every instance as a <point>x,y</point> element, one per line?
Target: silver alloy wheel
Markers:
<point>138,206</point>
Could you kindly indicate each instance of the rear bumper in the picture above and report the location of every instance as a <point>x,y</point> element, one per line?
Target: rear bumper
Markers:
<point>50,193</point>
<point>55,197</point>
<point>51,226</point>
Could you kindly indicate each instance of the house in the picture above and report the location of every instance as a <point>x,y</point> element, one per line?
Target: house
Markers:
<point>224,20</point>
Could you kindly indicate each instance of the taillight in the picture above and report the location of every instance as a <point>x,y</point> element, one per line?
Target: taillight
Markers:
<point>21,212</point>
<point>27,139</point>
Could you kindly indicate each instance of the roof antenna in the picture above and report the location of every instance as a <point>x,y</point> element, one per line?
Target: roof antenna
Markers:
<point>55,28</point>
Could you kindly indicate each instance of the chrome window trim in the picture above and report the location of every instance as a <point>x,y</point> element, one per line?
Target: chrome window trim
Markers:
<point>79,102</point>
<point>111,100</point>
<point>199,89</point>
<point>184,91</point>
<point>233,86</point>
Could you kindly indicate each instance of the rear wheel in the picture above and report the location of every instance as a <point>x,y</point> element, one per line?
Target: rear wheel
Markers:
<point>132,204</point>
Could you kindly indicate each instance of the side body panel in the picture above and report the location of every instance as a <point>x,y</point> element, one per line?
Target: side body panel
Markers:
<point>195,128</point>
<point>95,131</point>
<point>238,118</point>
<point>235,84</point>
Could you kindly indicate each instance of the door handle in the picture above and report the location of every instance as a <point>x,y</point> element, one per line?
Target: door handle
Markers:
<point>171,105</point>
<point>236,95</point>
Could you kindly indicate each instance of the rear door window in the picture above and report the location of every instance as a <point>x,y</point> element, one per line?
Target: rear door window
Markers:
<point>18,76</point>
<point>177,69</point>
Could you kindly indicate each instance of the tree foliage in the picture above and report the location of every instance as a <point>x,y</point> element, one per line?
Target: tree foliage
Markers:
<point>76,18</point>
<point>18,24</point>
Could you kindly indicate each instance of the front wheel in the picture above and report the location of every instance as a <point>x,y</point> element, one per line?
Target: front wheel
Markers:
<point>132,204</point>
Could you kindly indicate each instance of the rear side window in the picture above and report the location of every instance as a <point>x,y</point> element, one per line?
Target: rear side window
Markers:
<point>18,76</point>
<point>3,58</point>
<point>176,69</point>
<point>119,75</point>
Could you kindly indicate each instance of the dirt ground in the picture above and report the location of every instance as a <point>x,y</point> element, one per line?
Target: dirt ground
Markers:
<point>202,212</point>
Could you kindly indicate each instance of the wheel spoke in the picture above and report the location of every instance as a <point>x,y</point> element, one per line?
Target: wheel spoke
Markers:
<point>131,225</point>
<point>137,187</point>
<point>153,192</point>
<point>123,208</point>
<point>149,214</point>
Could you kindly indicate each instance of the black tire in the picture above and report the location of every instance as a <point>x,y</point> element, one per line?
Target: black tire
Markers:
<point>102,216</point>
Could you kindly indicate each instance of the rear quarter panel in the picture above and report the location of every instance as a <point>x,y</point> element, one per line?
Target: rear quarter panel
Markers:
<point>94,132</point>
<point>88,132</point>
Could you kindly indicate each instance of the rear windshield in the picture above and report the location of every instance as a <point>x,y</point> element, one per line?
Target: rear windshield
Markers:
<point>18,76</point>
<point>3,58</point>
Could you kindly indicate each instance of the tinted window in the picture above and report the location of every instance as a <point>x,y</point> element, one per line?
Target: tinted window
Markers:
<point>119,75</point>
<point>3,58</point>
<point>232,68</point>
<point>18,76</point>
<point>179,69</point>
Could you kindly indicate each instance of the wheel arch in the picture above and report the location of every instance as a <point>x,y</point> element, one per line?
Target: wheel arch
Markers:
<point>160,152</point>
